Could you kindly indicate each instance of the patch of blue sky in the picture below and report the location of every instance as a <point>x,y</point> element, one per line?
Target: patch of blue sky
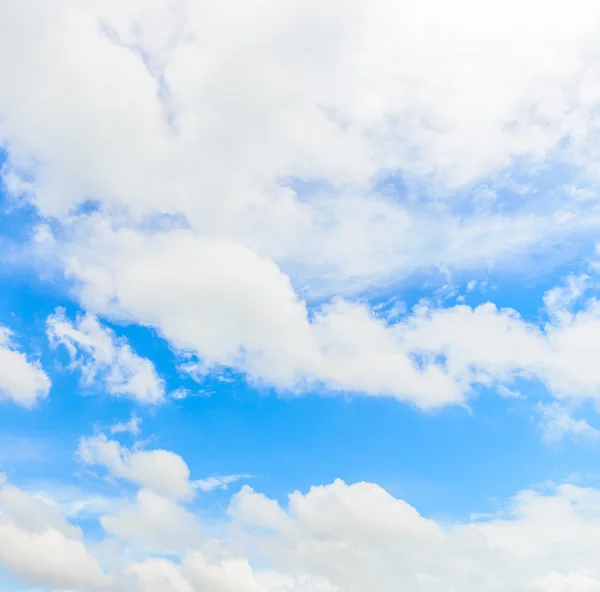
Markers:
<point>309,189</point>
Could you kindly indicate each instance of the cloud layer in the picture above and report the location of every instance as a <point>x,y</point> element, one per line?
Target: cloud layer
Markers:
<point>336,537</point>
<point>251,180</point>
<point>210,175</point>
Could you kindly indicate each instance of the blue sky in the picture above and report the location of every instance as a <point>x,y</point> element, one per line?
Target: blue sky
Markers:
<point>299,298</point>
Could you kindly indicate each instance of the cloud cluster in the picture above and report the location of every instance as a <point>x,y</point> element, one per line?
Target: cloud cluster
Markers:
<point>160,471</point>
<point>333,538</point>
<point>101,356</point>
<point>185,93</point>
<point>245,314</point>
<point>228,306</point>
<point>193,113</point>
<point>39,546</point>
<point>21,380</point>
<point>231,167</point>
<point>233,174</point>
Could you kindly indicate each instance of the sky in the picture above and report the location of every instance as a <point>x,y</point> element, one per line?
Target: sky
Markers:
<point>299,296</point>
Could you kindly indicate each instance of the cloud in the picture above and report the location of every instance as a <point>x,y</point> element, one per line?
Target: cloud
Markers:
<point>209,173</point>
<point>557,423</point>
<point>556,582</point>
<point>359,537</point>
<point>211,483</point>
<point>22,381</point>
<point>40,547</point>
<point>228,306</point>
<point>332,538</point>
<point>157,575</point>
<point>220,263</point>
<point>446,89</point>
<point>99,354</point>
<point>156,524</point>
<point>128,427</point>
<point>308,130</point>
<point>160,471</point>
<point>33,514</point>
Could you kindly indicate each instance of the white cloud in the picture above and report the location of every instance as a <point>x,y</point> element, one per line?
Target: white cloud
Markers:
<point>128,427</point>
<point>556,582</point>
<point>22,381</point>
<point>160,471</point>
<point>187,115</point>
<point>156,524</point>
<point>217,261</point>
<point>557,422</point>
<point>40,547</point>
<point>230,307</point>
<point>334,538</point>
<point>157,575</point>
<point>358,537</point>
<point>439,90</point>
<point>509,393</point>
<point>223,482</point>
<point>99,354</point>
<point>180,394</point>
<point>34,514</point>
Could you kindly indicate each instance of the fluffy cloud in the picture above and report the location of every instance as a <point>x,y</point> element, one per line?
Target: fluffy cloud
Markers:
<point>228,306</point>
<point>155,523</point>
<point>333,538</point>
<point>233,153</point>
<point>358,537</point>
<point>21,380</point>
<point>40,547</point>
<point>231,307</point>
<point>160,471</point>
<point>207,235</point>
<point>441,88</point>
<point>98,353</point>
<point>556,582</point>
<point>185,93</point>
<point>485,344</point>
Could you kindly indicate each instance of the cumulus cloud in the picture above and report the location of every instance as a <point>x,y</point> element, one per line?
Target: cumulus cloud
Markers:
<point>160,471</point>
<point>355,537</point>
<point>332,538</point>
<point>358,537</point>
<point>40,547</point>
<point>156,524</point>
<point>219,262</point>
<point>237,170</point>
<point>441,88</point>
<point>438,91</point>
<point>97,352</point>
<point>228,306</point>
<point>22,381</point>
